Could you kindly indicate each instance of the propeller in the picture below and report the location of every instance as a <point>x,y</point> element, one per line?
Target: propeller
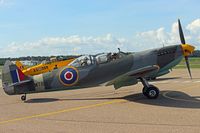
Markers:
<point>182,38</point>
<point>188,66</point>
<point>185,46</point>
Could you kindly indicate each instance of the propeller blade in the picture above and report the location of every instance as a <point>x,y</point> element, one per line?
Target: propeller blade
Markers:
<point>181,32</point>
<point>182,38</point>
<point>188,66</point>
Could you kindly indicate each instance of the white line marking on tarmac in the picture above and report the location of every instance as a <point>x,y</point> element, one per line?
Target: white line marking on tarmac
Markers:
<point>186,81</point>
<point>178,99</point>
<point>62,111</point>
<point>171,81</point>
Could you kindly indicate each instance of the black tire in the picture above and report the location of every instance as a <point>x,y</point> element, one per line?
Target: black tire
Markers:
<point>152,92</point>
<point>23,98</point>
<point>144,91</point>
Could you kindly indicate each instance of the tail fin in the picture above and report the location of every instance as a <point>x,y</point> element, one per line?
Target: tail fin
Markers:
<point>11,76</point>
<point>20,65</point>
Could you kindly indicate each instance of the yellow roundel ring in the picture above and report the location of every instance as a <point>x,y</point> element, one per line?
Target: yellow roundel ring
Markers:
<point>69,76</point>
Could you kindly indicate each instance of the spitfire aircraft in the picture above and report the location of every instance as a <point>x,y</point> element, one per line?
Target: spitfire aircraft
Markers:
<point>118,69</point>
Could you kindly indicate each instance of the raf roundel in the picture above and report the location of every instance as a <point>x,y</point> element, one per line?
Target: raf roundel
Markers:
<point>68,76</point>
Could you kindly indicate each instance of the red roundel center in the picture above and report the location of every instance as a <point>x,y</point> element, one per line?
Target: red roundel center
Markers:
<point>68,75</point>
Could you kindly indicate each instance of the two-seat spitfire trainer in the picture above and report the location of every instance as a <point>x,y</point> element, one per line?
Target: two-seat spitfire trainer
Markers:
<point>118,69</point>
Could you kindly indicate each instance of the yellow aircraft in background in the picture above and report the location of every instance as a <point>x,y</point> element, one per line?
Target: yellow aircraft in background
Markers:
<point>45,66</point>
<point>20,65</point>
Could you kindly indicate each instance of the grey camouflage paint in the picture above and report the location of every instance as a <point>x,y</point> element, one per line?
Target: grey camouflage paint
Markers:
<point>98,74</point>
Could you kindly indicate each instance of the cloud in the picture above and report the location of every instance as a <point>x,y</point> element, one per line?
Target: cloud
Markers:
<point>151,39</point>
<point>76,44</point>
<point>5,2</point>
<point>2,2</point>
<point>65,46</point>
<point>160,37</point>
<point>194,27</point>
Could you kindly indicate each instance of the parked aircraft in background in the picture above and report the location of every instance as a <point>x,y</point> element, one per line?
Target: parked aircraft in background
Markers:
<point>43,67</point>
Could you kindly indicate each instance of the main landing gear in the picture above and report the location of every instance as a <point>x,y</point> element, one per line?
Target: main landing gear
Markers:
<point>23,97</point>
<point>148,90</point>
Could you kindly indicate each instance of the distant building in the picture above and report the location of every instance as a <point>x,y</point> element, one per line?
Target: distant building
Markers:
<point>28,62</point>
<point>196,53</point>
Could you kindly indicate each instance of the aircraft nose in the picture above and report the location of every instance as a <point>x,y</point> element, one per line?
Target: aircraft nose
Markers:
<point>187,49</point>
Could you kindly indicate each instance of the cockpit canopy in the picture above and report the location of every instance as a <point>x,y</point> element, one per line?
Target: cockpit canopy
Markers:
<point>87,60</point>
<point>82,61</point>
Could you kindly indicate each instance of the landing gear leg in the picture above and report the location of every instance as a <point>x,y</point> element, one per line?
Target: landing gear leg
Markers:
<point>149,91</point>
<point>23,97</point>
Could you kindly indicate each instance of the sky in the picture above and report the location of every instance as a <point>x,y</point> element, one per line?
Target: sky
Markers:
<point>65,27</point>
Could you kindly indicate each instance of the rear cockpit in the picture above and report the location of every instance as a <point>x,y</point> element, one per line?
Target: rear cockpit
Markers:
<point>83,61</point>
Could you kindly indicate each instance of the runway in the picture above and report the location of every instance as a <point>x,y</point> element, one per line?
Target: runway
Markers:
<point>105,110</point>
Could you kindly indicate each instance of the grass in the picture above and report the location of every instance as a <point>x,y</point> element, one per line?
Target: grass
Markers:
<point>194,63</point>
<point>0,69</point>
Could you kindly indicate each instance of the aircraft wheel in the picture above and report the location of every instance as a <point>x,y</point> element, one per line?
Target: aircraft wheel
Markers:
<point>152,92</point>
<point>23,98</point>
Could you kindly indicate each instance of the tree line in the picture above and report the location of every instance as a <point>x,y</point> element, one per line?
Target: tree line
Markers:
<point>37,58</point>
<point>41,58</point>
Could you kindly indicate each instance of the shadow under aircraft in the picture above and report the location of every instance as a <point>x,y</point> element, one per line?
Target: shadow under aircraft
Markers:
<point>174,99</point>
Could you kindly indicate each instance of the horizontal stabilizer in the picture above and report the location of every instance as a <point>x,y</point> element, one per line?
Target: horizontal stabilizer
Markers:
<point>19,83</point>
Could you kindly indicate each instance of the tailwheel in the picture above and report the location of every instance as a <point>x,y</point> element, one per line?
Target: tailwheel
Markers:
<point>151,92</point>
<point>23,98</point>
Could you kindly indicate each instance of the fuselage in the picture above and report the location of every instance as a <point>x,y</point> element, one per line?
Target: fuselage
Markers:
<point>100,70</point>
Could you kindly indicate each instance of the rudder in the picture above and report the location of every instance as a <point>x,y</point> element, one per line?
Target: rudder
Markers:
<point>11,76</point>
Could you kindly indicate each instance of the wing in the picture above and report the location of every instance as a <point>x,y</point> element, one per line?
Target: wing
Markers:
<point>130,78</point>
<point>20,83</point>
<point>144,72</point>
